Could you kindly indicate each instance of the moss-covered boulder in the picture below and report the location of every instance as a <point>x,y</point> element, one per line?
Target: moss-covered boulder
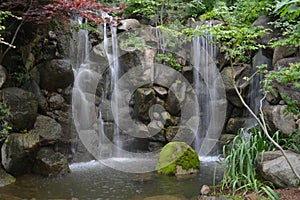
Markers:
<point>177,158</point>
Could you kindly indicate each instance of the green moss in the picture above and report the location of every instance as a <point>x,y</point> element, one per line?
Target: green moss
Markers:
<point>177,154</point>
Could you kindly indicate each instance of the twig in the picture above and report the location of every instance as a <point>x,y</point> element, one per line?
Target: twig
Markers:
<point>262,123</point>
<point>15,36</point>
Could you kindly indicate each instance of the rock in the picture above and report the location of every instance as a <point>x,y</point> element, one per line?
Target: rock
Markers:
<point>177,157</point>
<point>205,190</point>
<point>286,62</point>
<point>226,138</point>
<point>264,22</point>
<point>127,24</point>
<point>277,119</point>
<point>17,152</point>
<point>155,127</point>
<point>187,72</point>
<point>272,99</point>
<point>288,89</point>
<point>274,168</point>
<point>48,129</point>
<point>235,123</point>
<point>6,179</point>
<point>161,91</point>
<point>23,107</point>
<point>30,61</point>
<point>56,101</point>
<point>50,163</point>
<point>33,87</point>
<point>283,52</point>
<point>155,146</point>
<point>168,119</point>
<point>56,74</point>
<point>144,99</point>
<point>179,134</point>
<point>3,75</point>
<point>165,197</point>
<point>175,98</point>
<point>228,74</point>
<point>106,111</point>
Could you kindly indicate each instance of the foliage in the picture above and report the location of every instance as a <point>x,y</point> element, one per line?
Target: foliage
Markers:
<point>287,75</point>
<point>163,12</point>
<point>289,22</point>
<point>235,34</point>
<point>132,39</point>
<point>169,59</point>
<point>291,142</point>
<point>3,16</point>
<point>4,127</point>
<point>240,172</point>
<point>241,12</point>
<point>41,11</point>
<point>236,41</point>
<point>88,9</point>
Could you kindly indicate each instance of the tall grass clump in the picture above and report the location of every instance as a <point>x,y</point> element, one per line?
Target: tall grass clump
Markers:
<point>239,163</point>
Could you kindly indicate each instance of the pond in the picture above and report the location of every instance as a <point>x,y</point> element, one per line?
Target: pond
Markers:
<point>94,180</point>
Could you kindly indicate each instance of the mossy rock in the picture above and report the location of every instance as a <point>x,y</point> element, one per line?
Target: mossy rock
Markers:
<point>177,158</point>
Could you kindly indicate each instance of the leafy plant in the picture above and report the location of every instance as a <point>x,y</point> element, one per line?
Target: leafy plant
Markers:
<point>3,16</point>
<point>169,59</point>
<point>235,35</point>
<point>284,76</point>
<point>163,12</point>
<point>133,40</point>
<point>4,126</point>
<point>289,22</point>
<point>240,156</point>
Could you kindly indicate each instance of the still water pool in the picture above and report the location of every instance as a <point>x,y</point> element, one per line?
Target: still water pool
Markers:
<point>94,180</point>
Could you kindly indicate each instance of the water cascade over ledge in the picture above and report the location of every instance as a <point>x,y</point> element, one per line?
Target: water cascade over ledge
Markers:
<point>104,91</point>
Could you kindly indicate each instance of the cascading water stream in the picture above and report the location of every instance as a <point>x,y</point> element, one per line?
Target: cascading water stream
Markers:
<point>210,94</point>
<point>113,60</point>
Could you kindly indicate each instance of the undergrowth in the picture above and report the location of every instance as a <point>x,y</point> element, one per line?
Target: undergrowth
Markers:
<point>239,164</point>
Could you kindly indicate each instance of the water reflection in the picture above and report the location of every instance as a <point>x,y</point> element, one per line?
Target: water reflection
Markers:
<point>93,180</point>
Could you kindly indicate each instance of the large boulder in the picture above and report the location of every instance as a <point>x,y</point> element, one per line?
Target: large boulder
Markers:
<point>288,89</point>
<point>286,62</point>
<point>175,98</point>
<point>50,163</point>
<point>283,52</point>
<point>127,24</point>
<point>33,87</point>
<point>23,107</point>
<point>177,158</point>
<point>144,99</point>
<point>264,21</point>
<point>228,74</point>
<point>179,134</point>
<point>277,119</point>
<point>48,129</point>
<point>56,101</point>
<point>5,178</point>
<point>236,123</point>
<point>56,74</point>
<point>17,152</point>
<point>274,168</point>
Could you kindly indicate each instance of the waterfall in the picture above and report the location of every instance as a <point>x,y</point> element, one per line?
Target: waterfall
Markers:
<point>88,120</point>
<point>210,92</point>
<point>113,60</point>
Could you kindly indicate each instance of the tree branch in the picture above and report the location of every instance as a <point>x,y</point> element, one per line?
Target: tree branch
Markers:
<point>262,123</point>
